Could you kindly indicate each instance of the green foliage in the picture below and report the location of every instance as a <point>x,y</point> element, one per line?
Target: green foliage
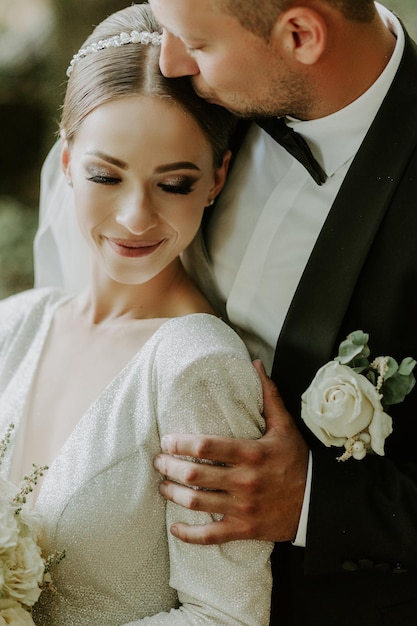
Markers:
<point>393,380</point>
<point>354,348</point>
<point>397,387</point>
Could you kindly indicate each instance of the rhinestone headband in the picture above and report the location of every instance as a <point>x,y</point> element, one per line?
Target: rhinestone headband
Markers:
<point>135,36</point>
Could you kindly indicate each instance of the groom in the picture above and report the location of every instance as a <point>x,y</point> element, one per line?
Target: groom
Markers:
<point>303,257</point>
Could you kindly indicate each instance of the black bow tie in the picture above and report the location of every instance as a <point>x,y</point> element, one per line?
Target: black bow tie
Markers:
<point>294,144</point>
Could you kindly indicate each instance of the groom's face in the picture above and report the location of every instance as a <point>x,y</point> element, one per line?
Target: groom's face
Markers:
<point>228,64</point>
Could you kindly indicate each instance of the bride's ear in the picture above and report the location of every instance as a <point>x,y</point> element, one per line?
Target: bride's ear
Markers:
<point>220,175</point>
<point>65,158</point>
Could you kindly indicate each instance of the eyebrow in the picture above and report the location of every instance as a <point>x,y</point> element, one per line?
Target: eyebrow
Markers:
<point>161,169</point>
<point>180,165</point>
<point>109,159</point>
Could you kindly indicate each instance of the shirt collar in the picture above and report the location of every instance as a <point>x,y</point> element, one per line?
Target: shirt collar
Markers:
<point>350,125</point>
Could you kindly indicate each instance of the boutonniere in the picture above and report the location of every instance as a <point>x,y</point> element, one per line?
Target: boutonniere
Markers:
<point>346,402</point>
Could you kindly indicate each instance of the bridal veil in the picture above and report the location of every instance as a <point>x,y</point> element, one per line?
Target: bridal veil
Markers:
<point>61,255</point>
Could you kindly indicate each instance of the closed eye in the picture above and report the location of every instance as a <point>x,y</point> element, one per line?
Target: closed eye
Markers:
<point>181,184</point>
<point>193,48</point>
<point>104,180</point>
<point>183,190</point>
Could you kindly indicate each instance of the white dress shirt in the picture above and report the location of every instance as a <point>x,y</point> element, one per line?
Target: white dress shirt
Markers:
<point>270,214</point>
<point>268,218</point>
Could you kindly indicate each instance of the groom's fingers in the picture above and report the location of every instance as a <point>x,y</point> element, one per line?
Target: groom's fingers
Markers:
<point>209,447</point>
<point>228,529</point>
<point>206,476</point>
<point>258,485</point>
<point>198,499</point>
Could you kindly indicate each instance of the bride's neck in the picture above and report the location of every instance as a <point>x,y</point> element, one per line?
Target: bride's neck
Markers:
<point>170,294</point>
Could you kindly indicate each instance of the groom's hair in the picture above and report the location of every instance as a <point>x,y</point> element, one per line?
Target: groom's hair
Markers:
<point>259,16</point>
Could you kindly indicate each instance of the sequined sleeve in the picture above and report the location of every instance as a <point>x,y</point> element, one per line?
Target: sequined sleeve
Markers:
<point>207,384</point>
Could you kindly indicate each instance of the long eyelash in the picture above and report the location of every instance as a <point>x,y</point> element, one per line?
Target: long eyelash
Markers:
<point>178,189</point>
<point>104,180</point>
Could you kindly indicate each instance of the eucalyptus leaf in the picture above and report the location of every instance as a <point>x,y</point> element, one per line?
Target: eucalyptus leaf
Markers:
<point>396,388</point>
<point>358,337</point>
<point>356,344</point>
<point>360,364</point>
<point>407,365</point>
<point>392,367</point>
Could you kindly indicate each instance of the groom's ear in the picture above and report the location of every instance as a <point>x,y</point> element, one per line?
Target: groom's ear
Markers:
<point>300,35</point>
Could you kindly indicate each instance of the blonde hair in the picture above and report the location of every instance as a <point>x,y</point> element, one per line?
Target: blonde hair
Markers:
<point>133,69</point>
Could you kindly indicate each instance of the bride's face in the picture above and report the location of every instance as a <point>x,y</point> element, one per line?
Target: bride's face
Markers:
<point>142,174</point>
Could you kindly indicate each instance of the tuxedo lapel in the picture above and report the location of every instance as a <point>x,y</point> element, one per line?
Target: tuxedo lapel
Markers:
<point>311,328</point>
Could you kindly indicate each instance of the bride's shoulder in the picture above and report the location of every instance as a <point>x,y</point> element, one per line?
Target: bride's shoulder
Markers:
<point>200,361</point>
<point>197,336</point>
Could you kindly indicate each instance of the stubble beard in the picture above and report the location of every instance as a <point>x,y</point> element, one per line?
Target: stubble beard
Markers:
<point>291,97</point>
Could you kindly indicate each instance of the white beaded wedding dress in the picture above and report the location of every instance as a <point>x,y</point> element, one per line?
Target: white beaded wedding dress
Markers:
<point>99,500</point>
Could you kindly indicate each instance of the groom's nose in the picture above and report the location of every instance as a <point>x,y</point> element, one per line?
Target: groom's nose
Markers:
<point>174,58</point>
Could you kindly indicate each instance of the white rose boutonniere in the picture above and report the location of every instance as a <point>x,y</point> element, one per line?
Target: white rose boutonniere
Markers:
<point>345,404</point>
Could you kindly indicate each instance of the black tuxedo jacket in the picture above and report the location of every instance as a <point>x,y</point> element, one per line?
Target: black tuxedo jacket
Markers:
<point>360,563</point>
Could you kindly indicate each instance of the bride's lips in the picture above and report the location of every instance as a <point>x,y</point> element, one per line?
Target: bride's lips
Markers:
<point>133,248</point>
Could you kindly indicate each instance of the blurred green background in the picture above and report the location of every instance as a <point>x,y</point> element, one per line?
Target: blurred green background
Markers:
<point>37,39</point>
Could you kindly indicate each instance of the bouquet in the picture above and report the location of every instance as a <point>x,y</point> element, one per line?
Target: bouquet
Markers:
<point>23,571</point>
<point>346,403</point>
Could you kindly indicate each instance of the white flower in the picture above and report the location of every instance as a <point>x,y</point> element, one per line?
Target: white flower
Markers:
<point>340,406</point>
<point>11,613</point>
<point>22,572</point>
<point>29,522</point>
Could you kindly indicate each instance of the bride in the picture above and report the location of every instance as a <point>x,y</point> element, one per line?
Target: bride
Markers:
<point>92,381</point>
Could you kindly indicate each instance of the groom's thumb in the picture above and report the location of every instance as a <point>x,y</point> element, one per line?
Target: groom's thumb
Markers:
<point>275,413</point>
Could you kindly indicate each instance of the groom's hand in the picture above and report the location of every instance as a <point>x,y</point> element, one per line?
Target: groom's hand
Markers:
<point>259,488</point>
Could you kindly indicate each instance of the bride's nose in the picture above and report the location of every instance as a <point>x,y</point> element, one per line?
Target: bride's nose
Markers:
<point>137,214</point>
